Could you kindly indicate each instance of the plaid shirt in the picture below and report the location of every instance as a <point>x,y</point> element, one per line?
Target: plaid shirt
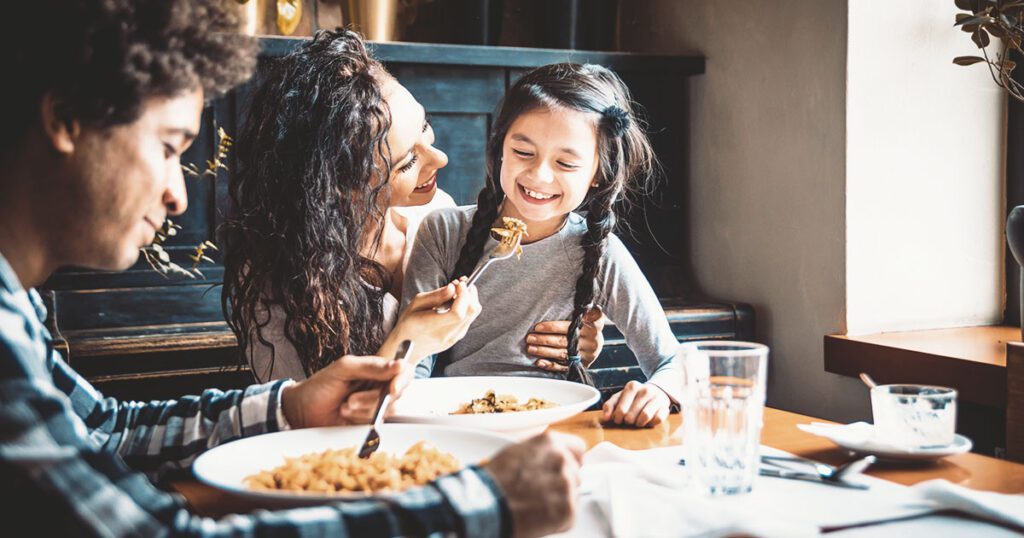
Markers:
<point>88,461</point>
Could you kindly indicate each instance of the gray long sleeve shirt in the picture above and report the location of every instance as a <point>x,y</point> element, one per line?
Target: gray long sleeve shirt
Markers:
<point>517,294</point>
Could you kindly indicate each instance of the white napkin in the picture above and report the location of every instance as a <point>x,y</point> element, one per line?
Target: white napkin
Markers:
<point>997,507</point>
<point>645,493</point>
<point>858,434</point>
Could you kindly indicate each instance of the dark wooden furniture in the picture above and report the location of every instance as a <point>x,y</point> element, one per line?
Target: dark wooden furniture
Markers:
<point>1015,401</point>
<point>139,335</point>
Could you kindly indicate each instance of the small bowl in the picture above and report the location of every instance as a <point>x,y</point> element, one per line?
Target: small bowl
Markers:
<point>914,416</point>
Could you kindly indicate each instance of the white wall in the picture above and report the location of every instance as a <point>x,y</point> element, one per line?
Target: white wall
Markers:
<point>836,192</point>
<point>767,174</point>
<point>924,173</point>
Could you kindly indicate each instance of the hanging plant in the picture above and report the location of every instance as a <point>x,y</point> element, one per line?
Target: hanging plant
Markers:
<point>1003,20</point>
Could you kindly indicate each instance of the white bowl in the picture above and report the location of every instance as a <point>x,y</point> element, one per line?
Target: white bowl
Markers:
<point>431,401</point>
<point>226,466</point>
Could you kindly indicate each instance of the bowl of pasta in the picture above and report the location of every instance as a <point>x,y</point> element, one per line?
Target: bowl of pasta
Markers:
<point>515,406</point>
<point>318,465</point>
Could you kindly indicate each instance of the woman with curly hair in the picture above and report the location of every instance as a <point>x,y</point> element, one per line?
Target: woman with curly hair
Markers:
<point>331,150</point>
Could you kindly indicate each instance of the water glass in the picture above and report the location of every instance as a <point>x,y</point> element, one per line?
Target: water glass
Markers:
<point>914,416</point>
<point>723,411</point>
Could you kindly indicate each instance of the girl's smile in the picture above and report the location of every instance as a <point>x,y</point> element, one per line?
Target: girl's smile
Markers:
<point>549,160</point>
<point>535,196</point>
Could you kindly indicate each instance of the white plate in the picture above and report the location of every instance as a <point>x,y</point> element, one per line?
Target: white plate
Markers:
<point>863,444</point>
<point>226,466</point>
<point>430,401</point>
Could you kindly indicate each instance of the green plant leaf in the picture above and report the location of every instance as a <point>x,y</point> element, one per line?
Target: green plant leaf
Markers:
<point>967,60</point>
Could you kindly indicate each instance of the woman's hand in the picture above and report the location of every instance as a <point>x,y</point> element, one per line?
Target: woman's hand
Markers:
<point>643,405</point>
<point>321,399</point>
<point>549,341</point>
<point>429,331</point>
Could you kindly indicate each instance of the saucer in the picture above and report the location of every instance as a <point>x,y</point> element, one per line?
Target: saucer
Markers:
<point>858,438</point>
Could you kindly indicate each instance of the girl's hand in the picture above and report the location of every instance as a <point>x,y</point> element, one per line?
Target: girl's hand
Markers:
<point>549,341</point>
<point>429,331</point>
<point>643,405</point>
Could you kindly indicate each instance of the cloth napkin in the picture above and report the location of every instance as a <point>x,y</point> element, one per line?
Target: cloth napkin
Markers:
<point>858,434</point>
<point>997,507</point>
<point>647,493</point>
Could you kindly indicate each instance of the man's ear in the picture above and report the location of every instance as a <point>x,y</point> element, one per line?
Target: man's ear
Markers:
<point>60,129</point>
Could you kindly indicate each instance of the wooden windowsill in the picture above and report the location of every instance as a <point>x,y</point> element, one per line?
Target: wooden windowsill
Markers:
<point>971,360</point>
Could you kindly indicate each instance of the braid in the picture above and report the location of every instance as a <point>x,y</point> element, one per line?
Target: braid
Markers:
<point>486,213</point>
<point>600,222</point>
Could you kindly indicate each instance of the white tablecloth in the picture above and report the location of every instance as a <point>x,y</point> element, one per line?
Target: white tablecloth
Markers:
<point>644,493</point>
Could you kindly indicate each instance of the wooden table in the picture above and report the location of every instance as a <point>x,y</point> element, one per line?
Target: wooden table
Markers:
<point>780,431</point>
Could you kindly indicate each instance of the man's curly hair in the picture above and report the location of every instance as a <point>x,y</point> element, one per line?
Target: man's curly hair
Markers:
<point>103,58</point>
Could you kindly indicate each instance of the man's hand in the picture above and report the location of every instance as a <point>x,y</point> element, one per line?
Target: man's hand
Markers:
<point>321,400</point>
<point>549,341</point>
<point>540,478</point>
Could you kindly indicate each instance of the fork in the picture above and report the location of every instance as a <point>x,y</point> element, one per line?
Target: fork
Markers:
<point>372,442</point>
<point>826,472</point>
<point>502,251</point>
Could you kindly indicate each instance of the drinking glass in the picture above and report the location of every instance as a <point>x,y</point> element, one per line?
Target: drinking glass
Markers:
<point>723,411</point>
<point>914,416</point>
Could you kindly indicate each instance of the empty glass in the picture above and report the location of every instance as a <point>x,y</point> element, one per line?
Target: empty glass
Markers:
<point>914,416</point>
<point>723,411</point>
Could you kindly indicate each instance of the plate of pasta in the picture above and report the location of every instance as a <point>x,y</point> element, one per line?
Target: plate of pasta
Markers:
<point>512,405</point>
<point>317,465</point>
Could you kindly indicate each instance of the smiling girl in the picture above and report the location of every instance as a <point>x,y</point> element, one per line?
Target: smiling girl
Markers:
<point>564,140</point>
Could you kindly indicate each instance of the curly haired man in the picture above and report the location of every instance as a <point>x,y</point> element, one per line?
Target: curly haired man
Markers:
<point>109,93</point>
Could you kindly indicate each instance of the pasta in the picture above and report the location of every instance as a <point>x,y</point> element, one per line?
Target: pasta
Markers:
<point>343,471</point>
<point>512,233</point>
<point>504,403</point>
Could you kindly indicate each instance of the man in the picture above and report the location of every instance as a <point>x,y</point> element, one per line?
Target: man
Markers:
<point>109,95</point>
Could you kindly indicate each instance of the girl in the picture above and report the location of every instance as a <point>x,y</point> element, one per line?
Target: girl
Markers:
<point>335,159</point>
<point>564,139</point>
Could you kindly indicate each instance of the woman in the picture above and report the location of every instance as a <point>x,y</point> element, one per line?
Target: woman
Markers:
<point>330,146</point>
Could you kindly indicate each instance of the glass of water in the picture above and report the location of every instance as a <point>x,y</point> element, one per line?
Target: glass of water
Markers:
<point>914,416</point>
<point>723,411</point>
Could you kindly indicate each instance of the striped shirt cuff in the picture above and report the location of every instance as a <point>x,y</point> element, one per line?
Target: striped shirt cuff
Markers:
<point>282,422</point>
<point>478,500</point>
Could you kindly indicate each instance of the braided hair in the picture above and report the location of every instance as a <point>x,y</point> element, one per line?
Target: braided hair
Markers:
<point>626,163</point>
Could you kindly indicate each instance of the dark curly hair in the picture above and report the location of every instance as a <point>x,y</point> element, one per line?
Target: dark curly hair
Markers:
<point>626,161</point>
<point>308,196</point>
<point>103,58</point>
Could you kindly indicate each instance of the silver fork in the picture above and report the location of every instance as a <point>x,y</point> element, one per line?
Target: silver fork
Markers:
<point>502,251</point>
<point>372,442</point>
<point>826,472</point>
